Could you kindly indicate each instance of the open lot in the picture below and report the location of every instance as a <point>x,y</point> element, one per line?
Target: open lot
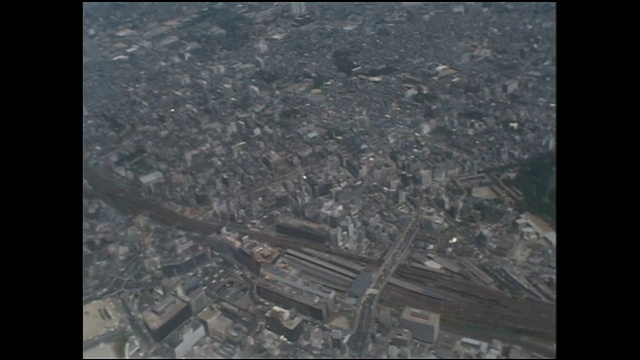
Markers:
<point>99,317</point>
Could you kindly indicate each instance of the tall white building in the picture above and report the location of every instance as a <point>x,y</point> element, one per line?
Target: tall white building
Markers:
<point>192,334</point>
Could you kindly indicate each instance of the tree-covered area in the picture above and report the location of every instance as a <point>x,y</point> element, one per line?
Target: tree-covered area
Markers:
<point>536,180</point>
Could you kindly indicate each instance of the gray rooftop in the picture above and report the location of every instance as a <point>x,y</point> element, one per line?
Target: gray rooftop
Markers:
<point>360,284</point>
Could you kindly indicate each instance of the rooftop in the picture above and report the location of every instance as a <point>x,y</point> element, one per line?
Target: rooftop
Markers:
<point>537,221</point>
<point>215,319</point>
<point>420,316</point>
<point>150,178</point>
<point>285,317</point>
<point>163,311</point>
<point>306,293</point>
<point>360,284</point>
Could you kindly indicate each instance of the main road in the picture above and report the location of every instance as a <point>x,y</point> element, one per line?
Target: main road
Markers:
<point>359,341</point>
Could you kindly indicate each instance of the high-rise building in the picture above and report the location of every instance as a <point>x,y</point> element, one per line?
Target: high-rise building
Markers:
<point>336,339</point>
<point>245,258</point>
<point>165,317</point>
<point>186,261</point>
<point>385,317</point>
<point>281,322</point>
<point>190,335</point>
<point>216,323</point>
<point>335,236</point>
<point>423,325</point>
<point>425,178</point>
<point>240,316</point>
<point>196,298</point>
<point>316,338</point>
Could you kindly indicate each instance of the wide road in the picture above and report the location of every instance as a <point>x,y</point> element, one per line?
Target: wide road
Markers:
<point>360,339</point>
<point>103,339</point>
<point>136,325</point>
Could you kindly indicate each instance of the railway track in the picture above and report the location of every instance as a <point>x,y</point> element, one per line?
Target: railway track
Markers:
<point>458,308</point>
<point>106,187</point>
<point>464,300</point>
<point>467,290</point>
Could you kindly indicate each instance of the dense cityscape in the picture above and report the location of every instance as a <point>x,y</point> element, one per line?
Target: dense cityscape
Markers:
<point>319,180</point>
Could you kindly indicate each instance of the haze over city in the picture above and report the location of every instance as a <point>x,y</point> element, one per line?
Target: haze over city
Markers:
<point>319,180</point>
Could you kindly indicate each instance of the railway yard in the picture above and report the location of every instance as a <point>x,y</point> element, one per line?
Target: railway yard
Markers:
<point>471,293</point>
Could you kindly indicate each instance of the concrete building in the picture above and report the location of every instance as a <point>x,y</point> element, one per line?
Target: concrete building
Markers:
<point>316,338</point>
<point>149,180</point>
<point>440,175</point>
<point>384,316</point>
<point>425,178</point>
<point>190,336</point>
<point>336,339</point>
<point>216,323</point>
<point>423,325</point>
<point>246,258</point>
<point>402,338</point>
<point>308,299</point>
<point>282,322</point>
<point>318,233</point>
<point>335,237</point>
<point>510,86</point>
<point>166,316</point>
<point>239,315</point>
<point>195,296</point>
<point>186,261</point>
<point>236,334</point>
<point>182,244</point>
